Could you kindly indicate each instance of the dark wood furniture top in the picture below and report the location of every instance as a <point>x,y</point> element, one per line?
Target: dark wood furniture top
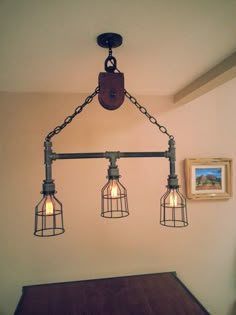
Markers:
<point>150,294</point>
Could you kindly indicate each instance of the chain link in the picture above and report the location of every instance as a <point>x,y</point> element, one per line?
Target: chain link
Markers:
<point>144,111</point>
<point>89,99</point>
<point>69,119</point>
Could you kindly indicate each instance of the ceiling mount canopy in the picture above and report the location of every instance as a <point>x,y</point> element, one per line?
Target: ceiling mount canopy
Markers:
<point>114,202</point>
<point>109,40</point>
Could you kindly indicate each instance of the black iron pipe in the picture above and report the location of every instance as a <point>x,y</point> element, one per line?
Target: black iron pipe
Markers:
<point>63,156</point>
<point>142,154</point>
<point>68,156</point>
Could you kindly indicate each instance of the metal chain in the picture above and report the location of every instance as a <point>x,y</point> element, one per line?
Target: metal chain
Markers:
<point>69,119</point>
<point>110,52</point>
<point>89,99</point>
<point>144,111</point>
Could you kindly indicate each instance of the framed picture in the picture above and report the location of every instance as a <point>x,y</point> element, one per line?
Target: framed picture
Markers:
<point>208,178</point>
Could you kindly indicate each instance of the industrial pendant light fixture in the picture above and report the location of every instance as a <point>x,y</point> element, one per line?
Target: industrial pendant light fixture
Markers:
<point>114,203</point>
<point>114,194</point>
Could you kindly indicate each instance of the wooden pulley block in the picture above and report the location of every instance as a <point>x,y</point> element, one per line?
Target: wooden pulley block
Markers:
<point>111,90</point>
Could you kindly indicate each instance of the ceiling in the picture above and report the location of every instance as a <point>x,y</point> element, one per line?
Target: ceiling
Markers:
<point>50,46</point>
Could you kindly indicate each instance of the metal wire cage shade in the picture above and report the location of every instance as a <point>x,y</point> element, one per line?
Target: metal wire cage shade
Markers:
<point>114,200</point>
<point>49,216</point>
<point>173,209</point>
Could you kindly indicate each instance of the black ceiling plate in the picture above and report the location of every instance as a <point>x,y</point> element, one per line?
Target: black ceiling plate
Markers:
<point>109,40</point>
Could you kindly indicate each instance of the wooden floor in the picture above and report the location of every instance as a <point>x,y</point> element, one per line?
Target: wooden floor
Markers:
<point>151,294</point>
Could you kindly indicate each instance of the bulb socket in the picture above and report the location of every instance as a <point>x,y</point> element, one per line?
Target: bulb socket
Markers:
<point>113,172</point>
<point>48,187</point>
<point>173,182</point>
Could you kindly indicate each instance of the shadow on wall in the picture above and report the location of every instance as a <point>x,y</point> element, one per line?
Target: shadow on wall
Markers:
<point>233,310</point>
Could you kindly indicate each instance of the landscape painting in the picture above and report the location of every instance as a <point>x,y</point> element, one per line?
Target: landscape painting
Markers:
<point>208,178</point>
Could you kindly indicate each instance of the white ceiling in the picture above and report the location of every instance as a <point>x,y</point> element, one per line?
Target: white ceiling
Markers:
<point>50,45</point>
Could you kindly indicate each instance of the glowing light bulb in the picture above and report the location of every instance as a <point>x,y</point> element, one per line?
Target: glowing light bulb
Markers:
<point>114,190</point>
<point>173,199</point>
<point>49,208</point>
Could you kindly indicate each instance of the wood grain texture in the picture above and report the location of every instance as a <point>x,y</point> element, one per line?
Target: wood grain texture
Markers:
<point>158,294</point>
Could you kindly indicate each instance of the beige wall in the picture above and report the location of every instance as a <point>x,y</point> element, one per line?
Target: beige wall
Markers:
<point>203,255</point>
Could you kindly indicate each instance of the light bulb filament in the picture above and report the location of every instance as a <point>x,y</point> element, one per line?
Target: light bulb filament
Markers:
<point>114,190</point>
<point>49,206</point>
<point>173,199</point>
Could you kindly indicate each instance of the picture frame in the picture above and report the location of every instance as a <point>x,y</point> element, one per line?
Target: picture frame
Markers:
<point>208,178</point>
